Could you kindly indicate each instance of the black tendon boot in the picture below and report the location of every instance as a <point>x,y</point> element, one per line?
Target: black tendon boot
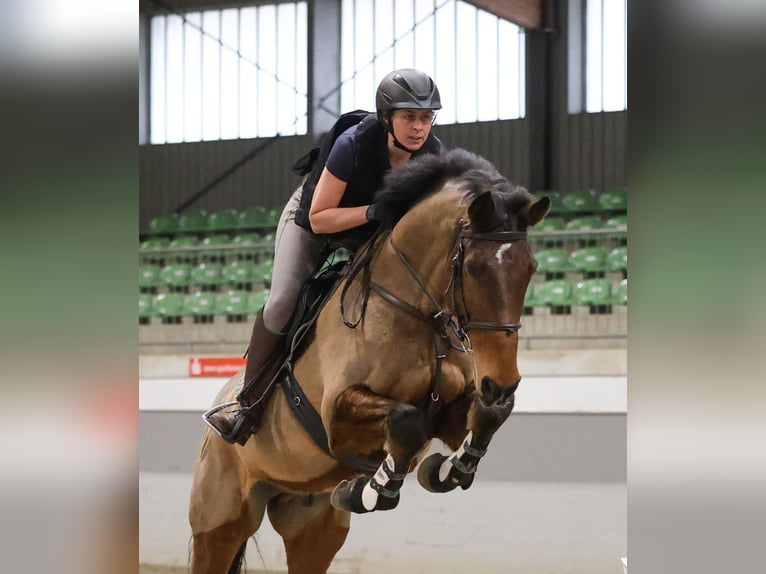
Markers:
<point>235,426</point>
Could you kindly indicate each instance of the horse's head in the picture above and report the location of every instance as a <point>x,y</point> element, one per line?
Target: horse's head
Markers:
<point>467,230</point>
<point>493,266</point>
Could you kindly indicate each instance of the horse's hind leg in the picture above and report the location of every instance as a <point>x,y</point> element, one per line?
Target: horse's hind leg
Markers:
<point>363,422</point>
<point>222,514</point>
<point>313,531</point>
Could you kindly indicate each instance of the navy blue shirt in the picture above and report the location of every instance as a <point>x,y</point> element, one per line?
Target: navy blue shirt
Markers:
<point>342,159</point>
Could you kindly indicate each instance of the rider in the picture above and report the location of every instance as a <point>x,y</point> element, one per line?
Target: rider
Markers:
<point>334,201</point>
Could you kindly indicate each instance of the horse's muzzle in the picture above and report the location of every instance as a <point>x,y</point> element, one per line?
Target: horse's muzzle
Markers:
<point>492,393</point>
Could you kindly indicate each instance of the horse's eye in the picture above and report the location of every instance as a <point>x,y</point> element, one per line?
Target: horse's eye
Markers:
<point>473,269</point>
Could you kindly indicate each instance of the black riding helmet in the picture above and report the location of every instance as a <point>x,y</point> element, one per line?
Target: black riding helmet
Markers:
<point>405,89</point>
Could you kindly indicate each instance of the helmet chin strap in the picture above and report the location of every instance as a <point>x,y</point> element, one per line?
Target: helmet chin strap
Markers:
<point>397,143</point>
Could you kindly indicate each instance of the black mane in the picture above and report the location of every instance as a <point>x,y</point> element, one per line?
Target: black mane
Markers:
<point>409,184</point>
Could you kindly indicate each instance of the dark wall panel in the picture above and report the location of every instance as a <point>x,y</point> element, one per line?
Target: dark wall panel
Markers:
<point>593,154</point>
<point>589,153</point>
<point>170,174</point>
<point>504,143</point>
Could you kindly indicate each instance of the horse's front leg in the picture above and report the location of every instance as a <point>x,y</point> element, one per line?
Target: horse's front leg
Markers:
<point>489,409</point>
<point>364,423</point>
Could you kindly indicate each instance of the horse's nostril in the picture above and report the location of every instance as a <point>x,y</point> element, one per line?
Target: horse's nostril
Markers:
<point>490,390</point>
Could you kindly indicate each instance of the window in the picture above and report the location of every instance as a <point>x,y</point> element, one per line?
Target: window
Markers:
<point>606,56</point>
<point>475,58</point>
<point>228,74</point>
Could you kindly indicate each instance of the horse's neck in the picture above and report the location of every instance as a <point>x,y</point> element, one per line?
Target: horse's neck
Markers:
<point>423,237</point>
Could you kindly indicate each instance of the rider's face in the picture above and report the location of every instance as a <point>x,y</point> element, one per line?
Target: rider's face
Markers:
<point>412,126</point>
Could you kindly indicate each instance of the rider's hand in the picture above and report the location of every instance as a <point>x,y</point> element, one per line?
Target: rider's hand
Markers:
<point>382,213</point>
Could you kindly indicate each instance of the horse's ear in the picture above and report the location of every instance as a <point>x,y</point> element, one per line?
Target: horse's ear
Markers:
<point>537,210</point>
<point>483,211</point>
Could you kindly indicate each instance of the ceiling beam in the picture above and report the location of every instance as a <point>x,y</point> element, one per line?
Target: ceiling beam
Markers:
<point>525,13</point>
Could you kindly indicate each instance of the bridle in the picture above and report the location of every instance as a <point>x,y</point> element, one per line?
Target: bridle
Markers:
<point>459,320</point>
<point>456,281</point>
<point>450,327</point>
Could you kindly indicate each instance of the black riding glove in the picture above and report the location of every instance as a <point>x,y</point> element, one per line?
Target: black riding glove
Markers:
<point>382,213</point>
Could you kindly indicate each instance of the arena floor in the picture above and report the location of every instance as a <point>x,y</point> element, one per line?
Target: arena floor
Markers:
<point>550,497</point>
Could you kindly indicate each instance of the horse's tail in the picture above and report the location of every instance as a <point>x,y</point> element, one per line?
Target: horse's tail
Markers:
<point>239,560</point>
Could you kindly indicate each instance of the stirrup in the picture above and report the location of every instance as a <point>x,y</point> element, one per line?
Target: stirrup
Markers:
<point>210,412</point>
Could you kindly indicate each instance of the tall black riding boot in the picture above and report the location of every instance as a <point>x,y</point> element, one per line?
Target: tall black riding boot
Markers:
<point>235,426</point>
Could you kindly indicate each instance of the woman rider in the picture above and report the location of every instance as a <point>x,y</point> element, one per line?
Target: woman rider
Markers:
<point>334,201</point>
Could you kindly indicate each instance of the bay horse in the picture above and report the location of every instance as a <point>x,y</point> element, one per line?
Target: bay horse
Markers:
<point>422,348</point>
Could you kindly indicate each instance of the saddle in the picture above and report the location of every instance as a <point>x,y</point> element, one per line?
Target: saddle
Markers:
<point>312,298</point>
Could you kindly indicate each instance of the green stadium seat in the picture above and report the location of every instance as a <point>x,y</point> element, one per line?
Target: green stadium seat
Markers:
<point>269,237</point>
<point>621,293</point>
<point>262,272</point>
<point>149,278</point>
<point>215,247</point>
<point>164,224</point>
<point>541,234</point>
<point>176,276</point>
<point>553,262</point>
<point>223,220</point>
<point>247,239</point>
<point>193,222</point>
<point>580,202</point>
<point>246,245</point>
<point>274,215</point>
<point>240,274</point>
<point>255,217</point>
<point>183,241</point>
<point>232,304</point>
<point>256,300</point>
<point>180,248</point>
<point>614,200</point>
<point>201,306</point>
<point>556,295</point>
<point>585,223</point>
<point>208,276</point>
<point>555,196</point>
<point>616,222</point>
<point>152,251</point>
<point>145,308</point>
<point>550,224</point>
<point>617,261</point>
<point>154,243</point>
<point>594,293</point>
<point>530,300</point>
<point>170,307</point>
<point>590,261</point>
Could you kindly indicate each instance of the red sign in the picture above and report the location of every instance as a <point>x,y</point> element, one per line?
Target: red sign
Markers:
<point>215,366</point>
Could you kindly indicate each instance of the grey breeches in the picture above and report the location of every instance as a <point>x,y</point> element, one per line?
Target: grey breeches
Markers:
<point>297,253</point>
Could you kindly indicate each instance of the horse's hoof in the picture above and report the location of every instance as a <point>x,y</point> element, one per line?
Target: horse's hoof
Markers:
<point>341,495</point>
<point>347,495</point>
<point>466,480</point>
<point>428,475</point>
